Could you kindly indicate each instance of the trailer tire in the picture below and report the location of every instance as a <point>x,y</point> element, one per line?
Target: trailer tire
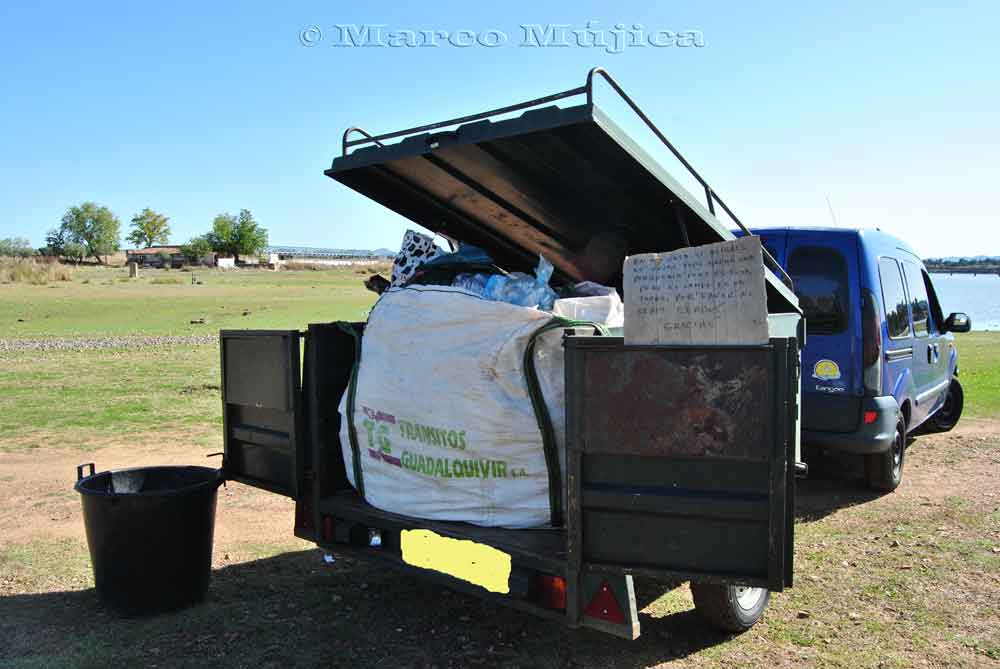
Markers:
<point>731,608</point>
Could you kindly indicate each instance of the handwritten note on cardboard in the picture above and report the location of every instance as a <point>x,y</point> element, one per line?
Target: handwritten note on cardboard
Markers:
<point>711,294</point>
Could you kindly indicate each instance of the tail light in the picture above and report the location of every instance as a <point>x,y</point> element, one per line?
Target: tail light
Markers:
<point>550,591</point>
<point>871,345</point>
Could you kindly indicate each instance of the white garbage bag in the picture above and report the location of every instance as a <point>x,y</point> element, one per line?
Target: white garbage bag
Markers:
<point>607,309</point>
<point>445,427</point>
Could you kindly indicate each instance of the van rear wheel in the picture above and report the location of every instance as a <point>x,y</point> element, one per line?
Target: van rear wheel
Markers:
<point>947,416</point>
<point>730,608</point>
<point>885,470</point>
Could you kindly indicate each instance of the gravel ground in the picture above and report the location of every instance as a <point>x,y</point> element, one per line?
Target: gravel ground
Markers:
<point>97,342</point>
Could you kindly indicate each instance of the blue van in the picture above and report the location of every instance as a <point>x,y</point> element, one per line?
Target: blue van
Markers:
<point>879,359</point>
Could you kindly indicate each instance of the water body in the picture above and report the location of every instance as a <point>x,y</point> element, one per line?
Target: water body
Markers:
<point>976,295</point>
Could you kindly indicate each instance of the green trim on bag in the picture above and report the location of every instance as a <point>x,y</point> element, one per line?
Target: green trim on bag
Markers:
<point>352,391</point>
<point>549,446</point>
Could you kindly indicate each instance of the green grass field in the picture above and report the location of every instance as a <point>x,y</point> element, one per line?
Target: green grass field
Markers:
<point>104,301</point>
<point>79,399</point>
<point>979,371</point>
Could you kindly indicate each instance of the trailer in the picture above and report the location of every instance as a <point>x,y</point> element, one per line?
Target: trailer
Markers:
<point>641,497</point>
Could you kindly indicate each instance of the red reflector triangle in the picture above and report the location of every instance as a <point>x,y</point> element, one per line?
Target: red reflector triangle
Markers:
<point>604,606</point>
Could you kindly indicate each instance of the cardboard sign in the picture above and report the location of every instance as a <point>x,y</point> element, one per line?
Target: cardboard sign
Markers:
<point>711,294</point>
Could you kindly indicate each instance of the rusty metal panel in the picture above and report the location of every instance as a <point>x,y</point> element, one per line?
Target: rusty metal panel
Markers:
<point>660,401</point>
<point>677,460</point>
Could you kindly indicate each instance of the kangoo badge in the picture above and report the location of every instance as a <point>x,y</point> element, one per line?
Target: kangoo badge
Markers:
<point>826,370</point>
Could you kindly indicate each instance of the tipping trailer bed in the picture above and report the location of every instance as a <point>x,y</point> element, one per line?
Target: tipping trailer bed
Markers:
<point>646,493</point>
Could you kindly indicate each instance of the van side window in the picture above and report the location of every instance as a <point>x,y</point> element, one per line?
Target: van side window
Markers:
<point>820,277</point>
<point>897,316</point>
<point>937,317</point>
<point>918,298</point>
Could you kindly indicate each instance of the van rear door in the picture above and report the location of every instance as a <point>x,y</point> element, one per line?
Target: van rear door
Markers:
<point>824,268</point>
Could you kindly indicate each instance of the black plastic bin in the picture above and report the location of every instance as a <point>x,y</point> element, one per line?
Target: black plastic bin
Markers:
<point>150,531</point>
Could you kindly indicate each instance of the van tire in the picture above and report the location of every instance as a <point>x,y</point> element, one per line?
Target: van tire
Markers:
<point>947,416</point>
<point>730,608</point>
<point>885,470</point>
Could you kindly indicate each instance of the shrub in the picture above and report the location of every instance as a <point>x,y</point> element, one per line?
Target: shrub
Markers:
<point>22,270</point>
<point>305,265</point>
<point>16,247</point>
<point>197,249</point>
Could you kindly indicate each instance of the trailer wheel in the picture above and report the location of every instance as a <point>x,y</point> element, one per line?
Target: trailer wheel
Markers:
<point>731,608</point>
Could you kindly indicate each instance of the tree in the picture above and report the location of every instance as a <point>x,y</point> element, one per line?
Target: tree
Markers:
<point>250,238</point>
<point>55,243</point>
<point>93,226</point>
<point>196,249</point>
<point>221,236</point>
<point>149,228</point>
<point>17,247</point>
<point>74,251</point>
<point>237,235</point>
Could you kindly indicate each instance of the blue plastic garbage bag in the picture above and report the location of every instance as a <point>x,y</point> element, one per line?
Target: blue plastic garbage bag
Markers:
<point>467,254</point>
<point>523,290</point>
<point>474,283</point>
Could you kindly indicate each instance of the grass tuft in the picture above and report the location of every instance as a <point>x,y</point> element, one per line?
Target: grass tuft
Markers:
<point>31,271</point>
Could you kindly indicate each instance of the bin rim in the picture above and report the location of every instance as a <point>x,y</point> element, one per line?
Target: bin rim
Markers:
<point>216,481</point>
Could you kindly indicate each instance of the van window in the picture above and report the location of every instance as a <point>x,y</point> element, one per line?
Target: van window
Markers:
<point>897,316</point>
<point>937,318</point>
<point>918,298</point>
<point>820,277</point>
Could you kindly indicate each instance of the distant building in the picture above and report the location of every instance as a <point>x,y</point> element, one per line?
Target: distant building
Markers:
<point>152,256</point>
<point>282,255</point>
<point>273,256</point>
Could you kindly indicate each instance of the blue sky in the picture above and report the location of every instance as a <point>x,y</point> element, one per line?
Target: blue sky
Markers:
<point>889,109</point>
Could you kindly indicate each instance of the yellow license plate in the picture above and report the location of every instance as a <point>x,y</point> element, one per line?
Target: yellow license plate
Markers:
<point>482,565</point>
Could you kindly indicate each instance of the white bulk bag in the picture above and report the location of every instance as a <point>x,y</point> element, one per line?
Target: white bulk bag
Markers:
<point>445,427</point>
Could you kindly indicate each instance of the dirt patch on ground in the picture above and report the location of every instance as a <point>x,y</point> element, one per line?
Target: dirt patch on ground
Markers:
<point>906,579</point>
<point>40,503</point>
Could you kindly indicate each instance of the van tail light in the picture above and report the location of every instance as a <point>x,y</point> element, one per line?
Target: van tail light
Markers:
<point>871,345</point>
<point>870,417</point>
